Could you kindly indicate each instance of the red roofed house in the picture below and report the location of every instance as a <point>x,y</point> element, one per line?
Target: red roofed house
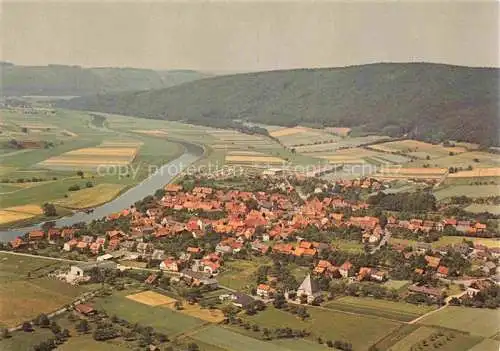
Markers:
<point>442,271</point>
<point>36,235</point>
<point>265,291</point>
<point>345,268</point>
<point>170,264</point>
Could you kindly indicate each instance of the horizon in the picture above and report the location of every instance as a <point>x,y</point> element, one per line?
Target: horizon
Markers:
<point>239,37</point>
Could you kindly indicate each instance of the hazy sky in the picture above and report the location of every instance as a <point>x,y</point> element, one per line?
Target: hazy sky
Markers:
<point>257,35</point>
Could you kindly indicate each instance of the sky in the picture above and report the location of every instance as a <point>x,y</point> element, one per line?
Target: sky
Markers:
<point>248,36</point>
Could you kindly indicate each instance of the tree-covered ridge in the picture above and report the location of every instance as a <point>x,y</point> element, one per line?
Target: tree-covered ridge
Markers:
<point>426,101</point>
<point>60,80</point>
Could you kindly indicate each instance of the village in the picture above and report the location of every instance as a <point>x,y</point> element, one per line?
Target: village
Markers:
<point>212,225</point>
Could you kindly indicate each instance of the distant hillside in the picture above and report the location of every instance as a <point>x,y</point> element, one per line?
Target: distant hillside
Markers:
<point>59,80</point>
<point>426,101</point>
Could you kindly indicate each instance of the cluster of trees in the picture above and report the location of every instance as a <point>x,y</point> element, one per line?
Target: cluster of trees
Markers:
<point>105,331</point>
<point>337,344</point>
<point>486,298</point>
<point>76,187</point>
<point>49,209</point>
<point>60,335</point>
<point>269,333</point>
<point>417,202</point>
<point>364,289</point>
<point>25,180</point>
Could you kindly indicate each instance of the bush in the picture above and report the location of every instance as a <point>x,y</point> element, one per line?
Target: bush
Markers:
<point>74,187</point>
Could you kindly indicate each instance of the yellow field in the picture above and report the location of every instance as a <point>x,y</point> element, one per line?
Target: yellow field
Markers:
<point>244,153</point>
<point>91,197</point>
<point>157,132</point>
<point>255,159</point>
<point>121,143</point>
<point>478,172</point>
<point>287,131</point>
<point>104,151</point>
<point>74,161</point>
<point>151,298</point>
<point>338,130</point>
<point>17,213</point>
<point>414,171</point>
<point>194,310</point>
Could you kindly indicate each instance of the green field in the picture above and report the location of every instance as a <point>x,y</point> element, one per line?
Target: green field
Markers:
<point>361,331</point>
<point>227,339</point>
<point>473,191</point>
<point>24,164</point>
<point>487,345</point>
<point>396,284</point>
<point>161,318</point>
<point>399,311</point>
<point>479,208</point>
<point>25,288</point>
<point>481,322</point>
<point>239,274</point>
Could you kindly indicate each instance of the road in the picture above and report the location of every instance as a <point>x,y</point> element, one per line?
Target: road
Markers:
<point>383,241</point>
<point>446,304</point>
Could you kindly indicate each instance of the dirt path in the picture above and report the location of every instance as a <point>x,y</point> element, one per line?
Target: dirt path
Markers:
<point>447,302</point>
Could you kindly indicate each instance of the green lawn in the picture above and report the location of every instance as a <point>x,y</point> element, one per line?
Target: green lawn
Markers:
<point>482,322</point>
<point>467,190</point>
<point>239,274</point>
<point>479,208</point>
<point>400,311</point>
<point>161,318</point>
<point>361,331</point>
<point>227,339</point>
<point>396,284</point>
<point>427,338</point>
<point>348,245</point>
<point>487,345</point>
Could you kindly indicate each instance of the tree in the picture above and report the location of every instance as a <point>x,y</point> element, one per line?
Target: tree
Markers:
<point>49,210</point>
<point>82,326</point>
<point>193,347</point>
<point>178,305</point>
<point>79,173</point>
<point>5,333</point>
<point>27,327</point>
<point>42,320</point>
<point>89,184</point>
<point>160,193</point>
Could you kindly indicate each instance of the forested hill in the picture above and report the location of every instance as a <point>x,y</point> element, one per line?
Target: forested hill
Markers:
<point>59,80</point>
<point>426,101</point>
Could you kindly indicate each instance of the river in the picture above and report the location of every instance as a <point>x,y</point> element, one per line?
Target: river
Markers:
<point>148,186</point>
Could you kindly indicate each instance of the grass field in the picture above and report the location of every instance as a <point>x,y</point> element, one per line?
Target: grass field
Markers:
<point>400,311</point>
<point>477,173</point>
<point>417,149</point>
<point>426,338</point>
<point>253,159</point>
<point>26,297</point>
<point>480,322</point>
<point>239,274</point>
<point>479,208</point>
<point>396,284</point>
<point>487,345</point>
<point>229,340</point>
<point>163,319</point>
<point>90,197</point>
<point>361,331</point>
<point>473,191</point>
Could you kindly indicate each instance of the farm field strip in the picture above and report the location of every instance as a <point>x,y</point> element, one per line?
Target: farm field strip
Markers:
<point>479,208</point>
<point>481,322</point>
<point>473,191</point>
<point>90,197</point>
<point>227,339</point>
<point>381,308</point>
<point>17,213</point>
<point>254,159</point>
<point>417,148</point>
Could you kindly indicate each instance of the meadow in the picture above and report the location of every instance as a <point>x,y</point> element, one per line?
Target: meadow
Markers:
<point>361,331</point>
<point>473,191</point>
<point>25,288</point>
<point>239,274</point>
<point>477,321</point>
<point>451,240</point>
<point>399,311</point>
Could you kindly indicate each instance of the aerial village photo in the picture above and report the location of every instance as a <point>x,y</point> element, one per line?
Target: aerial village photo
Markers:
<point>256,175</point>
